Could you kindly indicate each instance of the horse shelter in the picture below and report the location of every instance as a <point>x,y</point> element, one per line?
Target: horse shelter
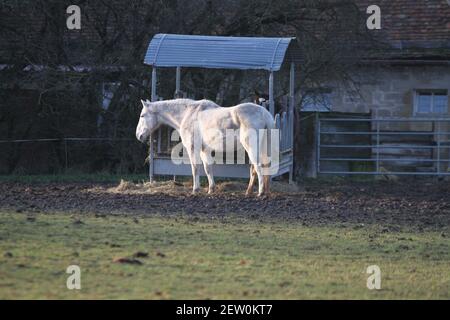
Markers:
<point>218,52</point>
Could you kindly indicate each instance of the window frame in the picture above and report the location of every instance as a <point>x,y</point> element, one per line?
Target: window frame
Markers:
<point>433,93</point>
<point>323,104</point>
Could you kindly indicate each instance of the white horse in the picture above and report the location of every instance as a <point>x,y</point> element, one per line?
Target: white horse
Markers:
<point>204,120</point>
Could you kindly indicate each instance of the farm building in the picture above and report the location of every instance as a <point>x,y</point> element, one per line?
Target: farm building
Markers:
<point>412,77</point>
<point>406,85</point>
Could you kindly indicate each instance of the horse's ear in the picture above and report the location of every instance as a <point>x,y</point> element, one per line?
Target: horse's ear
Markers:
<point>148,101</point>
<point>143,103</point>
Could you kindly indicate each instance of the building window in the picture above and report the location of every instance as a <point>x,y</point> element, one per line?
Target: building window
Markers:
<point>431,101</point>
<point>317,100</point>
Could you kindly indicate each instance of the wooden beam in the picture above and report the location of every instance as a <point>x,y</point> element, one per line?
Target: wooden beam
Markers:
<point>151,151</point>
<point>151,160</point>
<point>292,83</point>
<point>291,114</point>
<point>291,103</point>
<point>165,166</point>
<point>178,82</point>
<point>153,92</point>
<point>271,100</point>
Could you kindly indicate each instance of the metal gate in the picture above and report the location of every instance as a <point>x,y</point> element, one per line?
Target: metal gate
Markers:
<point>397,146</point>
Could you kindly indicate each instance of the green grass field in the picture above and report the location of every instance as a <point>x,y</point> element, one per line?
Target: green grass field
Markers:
<point>229,258</point>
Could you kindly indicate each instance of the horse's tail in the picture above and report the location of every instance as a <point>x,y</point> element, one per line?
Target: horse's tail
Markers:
<point>265,148</point>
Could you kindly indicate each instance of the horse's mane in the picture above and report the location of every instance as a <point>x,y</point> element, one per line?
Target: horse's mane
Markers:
<point>180,100</point>
<point>202,104</point>
<point>175,101</point>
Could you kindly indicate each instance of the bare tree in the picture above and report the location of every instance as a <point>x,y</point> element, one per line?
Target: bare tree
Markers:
<point>67,68</point>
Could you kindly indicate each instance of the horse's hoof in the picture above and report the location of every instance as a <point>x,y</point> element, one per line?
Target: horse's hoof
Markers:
<point>211,190</point>
<point>262,196</point>
<point>195,192</point>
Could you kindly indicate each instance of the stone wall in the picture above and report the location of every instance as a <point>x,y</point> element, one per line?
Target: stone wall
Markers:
<point>388,91</point>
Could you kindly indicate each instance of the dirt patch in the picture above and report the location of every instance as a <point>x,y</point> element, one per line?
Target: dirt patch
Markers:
<point>176,188</point>
<point>421,203</point>
<point>127,260</point>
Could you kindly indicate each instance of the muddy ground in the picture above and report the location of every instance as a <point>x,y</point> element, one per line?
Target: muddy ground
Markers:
<point>414,203</point>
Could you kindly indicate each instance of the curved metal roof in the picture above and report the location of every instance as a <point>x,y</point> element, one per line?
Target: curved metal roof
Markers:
<point>173,50</point>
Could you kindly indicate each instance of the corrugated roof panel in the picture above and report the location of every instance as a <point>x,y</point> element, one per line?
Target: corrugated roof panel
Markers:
<point>172,50</point>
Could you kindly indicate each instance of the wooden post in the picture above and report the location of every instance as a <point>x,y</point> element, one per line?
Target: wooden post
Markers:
<point>178,82</point>
<point>292,102</point>
<point>150,160</point>
<point>151,151</point>
<point>153,98</point>
<point>291,118</point>
<point>177,95</point>
<point>271,101</point>
<point>292,80</point>
<point>317,144</point>
<point>292,84</point>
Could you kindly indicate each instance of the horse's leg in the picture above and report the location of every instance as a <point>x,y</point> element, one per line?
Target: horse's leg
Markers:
<point>267,184</point>
<point>264,160</point>
<point>251,146</point>
<point>207,162</point>
<point>259,173</point>
<point>252,180</point>
<point>195,178</point>
<point>195,162</point>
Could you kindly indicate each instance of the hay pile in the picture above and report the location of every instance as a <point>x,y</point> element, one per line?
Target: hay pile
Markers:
<point>177,188</point>
<point>168,187</point>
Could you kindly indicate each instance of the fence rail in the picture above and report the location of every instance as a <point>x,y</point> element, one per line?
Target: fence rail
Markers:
<point>389,145</point>
<point>65,149</point>
<point>64,139</point>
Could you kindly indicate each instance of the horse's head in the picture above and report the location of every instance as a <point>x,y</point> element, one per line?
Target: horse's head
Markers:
<point>148,122</point>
